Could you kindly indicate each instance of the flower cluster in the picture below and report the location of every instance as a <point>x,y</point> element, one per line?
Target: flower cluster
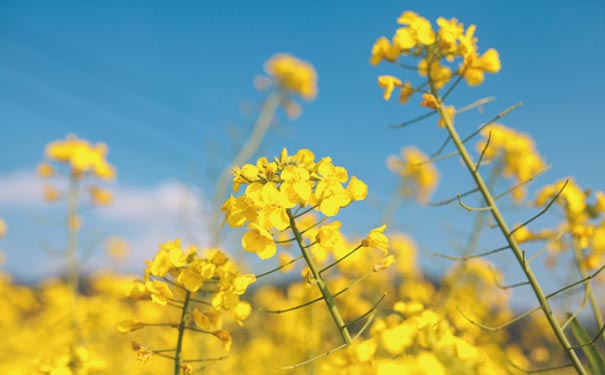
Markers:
<point>81,156</point>
<point>274,188</point>
<point>419,177</point>
<point>434,49</point>
<point>203,288</point>
<point>82,159</point>
<point>517,153</point>
<point>293,75</point>
<point>175,271</point>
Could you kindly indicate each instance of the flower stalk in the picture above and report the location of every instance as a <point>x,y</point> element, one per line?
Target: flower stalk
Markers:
<point>506,232</point>
<point>321,284</point>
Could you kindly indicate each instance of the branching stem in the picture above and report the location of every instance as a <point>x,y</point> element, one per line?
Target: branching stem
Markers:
<point>321,284</point>
<point>506,232</point>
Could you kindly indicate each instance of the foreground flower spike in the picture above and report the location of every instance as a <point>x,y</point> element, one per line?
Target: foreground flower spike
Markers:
<point>204,289</point>
<point>288,182</point>
<point>511,155</point>
<point>278,196</point>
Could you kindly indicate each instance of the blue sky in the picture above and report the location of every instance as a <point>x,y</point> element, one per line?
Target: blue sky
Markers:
<point>162,83</point>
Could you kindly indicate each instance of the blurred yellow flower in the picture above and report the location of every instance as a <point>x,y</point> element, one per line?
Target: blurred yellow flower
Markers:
<point>293,75</point>
<point>419,177</point>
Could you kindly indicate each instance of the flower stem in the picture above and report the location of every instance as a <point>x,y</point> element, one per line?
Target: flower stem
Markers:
<point>518,253</point>
<point>71,250</point>
<point>179,342</point>
<point>594,303</point>
<point>261,126</point>
<point>321,284</point>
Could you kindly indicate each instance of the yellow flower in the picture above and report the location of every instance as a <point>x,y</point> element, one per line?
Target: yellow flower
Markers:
<point>384,263</point>
<point>329,235</point>
<point>82,157</point>
<point>51,194</point>
<point>293,75</point>
<point>377,239</point>
<point>3,228</point>
<point>383,50</point>
<point>449,33</point>
<point>170,256</point>
<point>117,247</point>
<point>406,92</point>
<point>429,101</point>
<point>296,182</point>
<point>519,156</point>
<point>417,31</point>
<point>474,66</point>
<point>45,170</point>
<point>143,354</point>
<point>357,189</point>
<point>388,83</point>
<point>419,177</point>
<point>258,240</point>
<point>200,319</point>
<point>242,312</point>
<point>160,292</point>
<point>225,338</point>
<point>241,283</point>
<point>100,196</point>
<point>130,325</point>
<point>439,74</point>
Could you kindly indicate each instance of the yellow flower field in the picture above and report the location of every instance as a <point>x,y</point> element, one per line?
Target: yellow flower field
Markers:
<point>288,283</point>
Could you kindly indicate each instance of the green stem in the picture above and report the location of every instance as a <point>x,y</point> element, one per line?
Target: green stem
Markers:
<point>321,284</point>
<point>473,240</point>
<point>594,303</point>
<point>518,253</point>
<point>179,342</point>
<point>71,251</point>
<point>259,130</point>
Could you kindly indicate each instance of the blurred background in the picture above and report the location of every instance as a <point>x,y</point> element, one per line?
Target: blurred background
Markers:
<point>169,88</point>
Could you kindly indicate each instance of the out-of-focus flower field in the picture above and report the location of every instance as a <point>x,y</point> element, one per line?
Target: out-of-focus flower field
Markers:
<point>328,302</point>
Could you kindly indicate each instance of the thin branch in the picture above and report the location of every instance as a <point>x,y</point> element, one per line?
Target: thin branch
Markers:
<point>372,309</point>
<point>500,285</point>
<point>539,370</point>
<point>468,208</point>
<point>498,117</point>
<point>480,255</point>
<point>414,120</point>
<point>319,298</point>
<point>278,268</point>
<point>476,103</point>
<point>542,212</point>
<point>589,277</point>
<point>448,201</point>
<point>489,138</point>
<point>503,325</point>
<point>340,259</point>
<point>518,185</point>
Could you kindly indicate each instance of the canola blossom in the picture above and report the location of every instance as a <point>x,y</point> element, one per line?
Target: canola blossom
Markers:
<point>436,51</point>
<point>350,303</point>
<point>290,182</point>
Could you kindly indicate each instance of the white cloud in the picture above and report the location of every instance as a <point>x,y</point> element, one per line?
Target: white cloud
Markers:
<point>21,188</point>
<point>145,216</point>
<point>160,203</point>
